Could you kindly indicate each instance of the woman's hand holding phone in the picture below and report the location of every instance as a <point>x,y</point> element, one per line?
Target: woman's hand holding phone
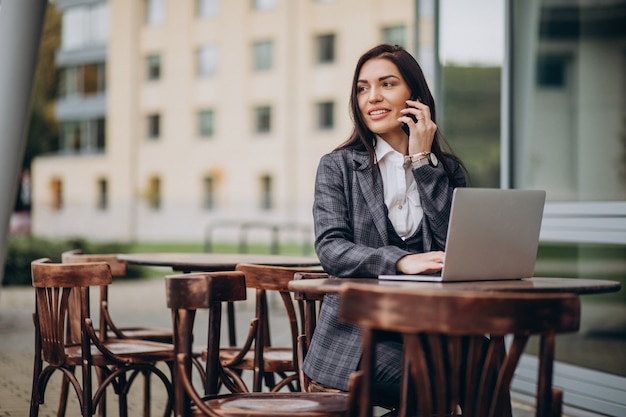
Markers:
<point>405,127</point>
<point>425,128</point>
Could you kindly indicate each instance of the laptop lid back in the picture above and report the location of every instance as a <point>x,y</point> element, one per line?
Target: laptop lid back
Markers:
<point>493,234</point>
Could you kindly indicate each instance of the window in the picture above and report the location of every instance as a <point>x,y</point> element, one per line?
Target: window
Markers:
<point>325,47</point>
<point>83,136</point>
<point>207,8</point>
<point>100,133</point>
<point>99,23</point>
<point>208,193</point>
<point>263,4</point>
<point>206,123</point>
<point>567,135</point>
<point>71,136</point>
<point>207,61</point>
<point>68,82</point>
<point>395,35</point>
<point>93,79</point>
<point>81,81</point>
<point>325,115</point>
<point>153,126</point>
<point>262,119</point>
<point>153,196</point>
<point>84,25</point>
<point>266,192</point>
<point>153,67</point>
<point>56,191</point>
<point>552,71</point>
<point>263,53</point>
<point>469,108</point>
<point>103,194</point>
<point>155,12</point>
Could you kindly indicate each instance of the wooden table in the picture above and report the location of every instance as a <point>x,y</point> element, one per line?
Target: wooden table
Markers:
<point>209,262</point>
<point>317,287</point>
<point>535,284</point>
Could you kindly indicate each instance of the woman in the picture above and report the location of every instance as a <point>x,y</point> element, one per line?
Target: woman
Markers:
<point>382,205</point>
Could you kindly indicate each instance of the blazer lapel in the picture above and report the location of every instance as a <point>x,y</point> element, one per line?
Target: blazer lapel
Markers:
<point>372,193</point>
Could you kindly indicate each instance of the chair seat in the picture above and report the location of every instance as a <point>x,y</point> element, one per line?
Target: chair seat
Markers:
<point>278,404</point>
<point>133,350</point>
<point>275,359</point>
<point>145,333</point>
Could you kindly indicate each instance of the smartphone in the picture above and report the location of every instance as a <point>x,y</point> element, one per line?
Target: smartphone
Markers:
<point>404,126</point>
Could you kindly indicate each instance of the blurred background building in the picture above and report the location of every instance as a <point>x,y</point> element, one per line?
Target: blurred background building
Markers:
<point>176,115</point>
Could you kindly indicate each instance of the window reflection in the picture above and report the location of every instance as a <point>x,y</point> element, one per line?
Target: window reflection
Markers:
<point>568,99</point>
<point>567,126</point>
<point>568,129</point>
<point>602,332</point>
<point>471,68</point>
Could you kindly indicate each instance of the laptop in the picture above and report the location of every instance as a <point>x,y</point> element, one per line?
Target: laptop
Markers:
<point>493,235</point>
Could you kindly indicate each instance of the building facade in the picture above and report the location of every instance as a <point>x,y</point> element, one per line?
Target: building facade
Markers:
<point>215,111</point>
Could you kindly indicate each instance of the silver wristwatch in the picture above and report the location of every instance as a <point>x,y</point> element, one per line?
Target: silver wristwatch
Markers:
<point>429,159</point>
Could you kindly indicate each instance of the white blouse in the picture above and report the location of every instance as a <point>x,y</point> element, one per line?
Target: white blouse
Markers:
<point>401,195</point>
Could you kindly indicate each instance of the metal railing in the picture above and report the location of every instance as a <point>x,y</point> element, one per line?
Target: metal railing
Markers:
<point>275,231</point>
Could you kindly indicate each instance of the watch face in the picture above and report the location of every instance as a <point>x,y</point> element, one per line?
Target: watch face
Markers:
<point>432,158</point>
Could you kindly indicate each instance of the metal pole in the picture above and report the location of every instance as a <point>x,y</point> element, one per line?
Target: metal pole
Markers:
<point>21,24</point>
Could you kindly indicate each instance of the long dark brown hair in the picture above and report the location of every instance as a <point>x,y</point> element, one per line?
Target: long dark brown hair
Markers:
<point>364,139</point>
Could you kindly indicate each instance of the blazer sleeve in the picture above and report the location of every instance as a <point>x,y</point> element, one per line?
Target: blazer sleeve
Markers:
<point>436,199</point>
<point>347,241</point>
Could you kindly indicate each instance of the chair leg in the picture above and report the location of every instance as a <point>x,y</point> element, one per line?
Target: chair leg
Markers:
<point>146,393</point>
<point>123,395</point>
<point>37,368</point>
<point>557,402</point>
<point>65,385</point>
<point>34,396</point>
<point>102,404</point>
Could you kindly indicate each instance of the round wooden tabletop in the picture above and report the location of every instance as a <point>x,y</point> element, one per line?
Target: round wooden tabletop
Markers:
<point>207,262</point>
<point>535,284</point>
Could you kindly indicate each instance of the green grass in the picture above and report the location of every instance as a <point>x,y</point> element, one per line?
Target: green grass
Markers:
<point>284,249</point>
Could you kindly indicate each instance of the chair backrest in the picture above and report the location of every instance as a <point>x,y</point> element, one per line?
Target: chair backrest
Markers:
<point>266,278</point>
<point>118,269</point>
<point>447,361</point>
<point>187,293</point>
<point>54,284</point>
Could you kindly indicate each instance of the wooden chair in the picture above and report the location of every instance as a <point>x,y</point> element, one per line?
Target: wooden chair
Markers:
<point>311,305</point>
<point>277,366</point>
<point>446,369</point>
<point>188,293</point>
<point>106,323</point>
<point>117,360</point>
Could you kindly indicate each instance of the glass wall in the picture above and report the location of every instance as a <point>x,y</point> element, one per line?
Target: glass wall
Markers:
<point>567,135</point>
<point>471,48</point>
<point>569,101</point>
<point>547,110</point>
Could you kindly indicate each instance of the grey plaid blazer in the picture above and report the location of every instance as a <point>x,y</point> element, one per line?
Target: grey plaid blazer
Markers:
<point>352,241</point>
